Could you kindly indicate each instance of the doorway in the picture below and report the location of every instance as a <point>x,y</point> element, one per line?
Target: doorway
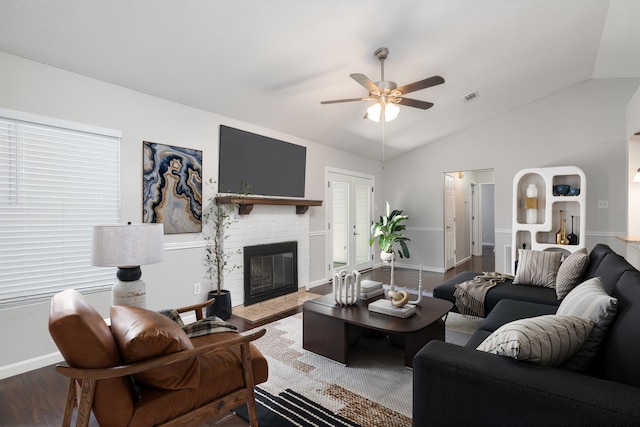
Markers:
<point>469,226</point>
<point>348,198</point>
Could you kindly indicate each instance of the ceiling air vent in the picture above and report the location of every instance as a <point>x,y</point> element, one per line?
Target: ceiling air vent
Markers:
<point>471,96</point>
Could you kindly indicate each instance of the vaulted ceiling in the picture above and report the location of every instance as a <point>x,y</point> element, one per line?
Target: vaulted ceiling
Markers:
<point>271,62</point>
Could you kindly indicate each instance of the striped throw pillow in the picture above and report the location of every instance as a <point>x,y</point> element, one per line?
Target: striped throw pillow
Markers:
<point>548,340</point>
<point>571,271</point>
<point>589,300</point>
<point>537,268</point>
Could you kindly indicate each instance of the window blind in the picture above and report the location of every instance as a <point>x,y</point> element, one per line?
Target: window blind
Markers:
<point>56,183</point>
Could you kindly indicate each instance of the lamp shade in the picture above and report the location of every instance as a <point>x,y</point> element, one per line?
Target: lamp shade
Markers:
<point>127,245</point>
<point>389,110</point>
<point>373,112</point>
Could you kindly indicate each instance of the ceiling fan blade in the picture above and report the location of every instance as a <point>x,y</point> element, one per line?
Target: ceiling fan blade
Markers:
<point>422,84</point>
<point>365,81</point>
<point>336,101</point>
<point>415,103</point>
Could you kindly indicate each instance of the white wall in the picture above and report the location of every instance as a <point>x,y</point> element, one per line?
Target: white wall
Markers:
<point>36,88</point>
<point>583,125</point>
<point>633,156</point>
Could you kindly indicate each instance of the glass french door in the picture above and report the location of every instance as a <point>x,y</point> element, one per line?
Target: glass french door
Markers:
<point>349,214</point>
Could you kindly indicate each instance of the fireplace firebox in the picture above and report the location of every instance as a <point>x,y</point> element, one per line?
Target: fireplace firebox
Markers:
<point>270,271</point>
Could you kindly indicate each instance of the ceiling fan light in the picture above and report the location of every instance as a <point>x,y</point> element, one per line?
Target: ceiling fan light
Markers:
<point>390,112</point>
<point>373,112</point>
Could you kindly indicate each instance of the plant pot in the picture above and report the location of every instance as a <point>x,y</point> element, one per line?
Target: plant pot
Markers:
<point>386,256</point>
<point>222,305</point>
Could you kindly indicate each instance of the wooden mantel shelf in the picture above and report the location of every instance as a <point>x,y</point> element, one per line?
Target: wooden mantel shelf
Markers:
<point>246,203</point>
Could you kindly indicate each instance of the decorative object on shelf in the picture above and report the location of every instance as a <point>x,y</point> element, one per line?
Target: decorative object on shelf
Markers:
<point>561,189</point>
<point>128,246</point>
<point>572,237</point>
<point>346,287</point>
<point>561,234</point>
<point>574,191</point>
<point>172,187</point>
<point>531,204</point>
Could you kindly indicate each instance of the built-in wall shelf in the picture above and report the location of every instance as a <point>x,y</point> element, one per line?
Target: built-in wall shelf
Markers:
<point>553,212</point>
<point>245,203</point>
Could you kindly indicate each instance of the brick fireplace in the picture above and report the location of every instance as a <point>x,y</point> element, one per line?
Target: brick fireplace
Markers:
<point>266,224</point>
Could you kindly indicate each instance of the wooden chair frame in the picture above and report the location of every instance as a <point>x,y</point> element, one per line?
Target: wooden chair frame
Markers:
<point>82,382</point>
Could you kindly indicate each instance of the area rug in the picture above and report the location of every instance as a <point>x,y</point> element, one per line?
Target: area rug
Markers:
<point>375,389</point>
<point>291,409</point>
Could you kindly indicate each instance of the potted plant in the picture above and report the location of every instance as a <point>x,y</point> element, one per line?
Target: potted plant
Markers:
<point>388,231</point>
<point>216,220</point>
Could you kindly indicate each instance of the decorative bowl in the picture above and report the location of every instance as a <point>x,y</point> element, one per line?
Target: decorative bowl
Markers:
<point>574,191</point>
<point>561,189</point>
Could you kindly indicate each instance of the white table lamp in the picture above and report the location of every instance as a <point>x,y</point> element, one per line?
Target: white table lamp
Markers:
<point>128,246</point>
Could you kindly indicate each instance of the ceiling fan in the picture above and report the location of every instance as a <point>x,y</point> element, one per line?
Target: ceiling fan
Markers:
<point>387,94</point>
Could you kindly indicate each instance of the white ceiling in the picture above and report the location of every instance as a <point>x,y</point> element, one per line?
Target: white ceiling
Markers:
<point>271,62</point>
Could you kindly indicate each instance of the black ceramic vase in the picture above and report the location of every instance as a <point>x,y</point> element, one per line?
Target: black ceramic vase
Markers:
<point>222,305</point>
<point>572,238</point>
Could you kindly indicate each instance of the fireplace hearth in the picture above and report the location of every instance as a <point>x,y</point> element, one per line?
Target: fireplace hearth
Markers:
<point>270,271</point>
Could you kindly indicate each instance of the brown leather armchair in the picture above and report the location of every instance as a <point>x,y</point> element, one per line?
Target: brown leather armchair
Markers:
<point>183,383</point>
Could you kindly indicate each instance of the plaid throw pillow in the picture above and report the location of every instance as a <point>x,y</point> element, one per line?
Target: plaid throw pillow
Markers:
<point>205,326</point>
<point>173,315</point>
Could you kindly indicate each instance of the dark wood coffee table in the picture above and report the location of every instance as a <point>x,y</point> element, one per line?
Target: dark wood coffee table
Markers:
<point>327,327</point>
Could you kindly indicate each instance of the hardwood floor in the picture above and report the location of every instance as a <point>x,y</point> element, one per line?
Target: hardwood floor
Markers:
<point>36,398</point>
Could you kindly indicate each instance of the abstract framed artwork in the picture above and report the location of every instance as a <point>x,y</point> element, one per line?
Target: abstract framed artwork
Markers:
<point>172,187</point>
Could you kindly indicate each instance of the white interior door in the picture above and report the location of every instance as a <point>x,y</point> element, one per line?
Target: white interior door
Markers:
<point>476,228</point>
<point>348,228</point>
<point>449,222</point>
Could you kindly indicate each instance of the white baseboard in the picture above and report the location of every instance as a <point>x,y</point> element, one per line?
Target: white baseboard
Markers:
<point>30,365</point>
<point>317,283</point>
<point>462,261</point>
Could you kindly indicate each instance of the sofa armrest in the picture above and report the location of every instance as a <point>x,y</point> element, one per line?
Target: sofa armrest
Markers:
<point>459,386</point>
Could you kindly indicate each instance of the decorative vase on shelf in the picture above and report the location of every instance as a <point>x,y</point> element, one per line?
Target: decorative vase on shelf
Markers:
<point>531,204</point>
<point>572,237</point>
<point>561,234</point>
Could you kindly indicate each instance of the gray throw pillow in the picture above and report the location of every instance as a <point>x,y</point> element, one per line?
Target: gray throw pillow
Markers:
<point>590,301</point>
<point>547,340</point>
<point>571,271</point>
<point>537,268</point>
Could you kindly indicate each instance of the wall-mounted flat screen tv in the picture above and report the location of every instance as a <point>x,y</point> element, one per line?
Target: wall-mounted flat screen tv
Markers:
<point>260,165</point>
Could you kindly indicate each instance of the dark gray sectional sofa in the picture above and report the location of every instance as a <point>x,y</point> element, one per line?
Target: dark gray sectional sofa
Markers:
<point>461,386</point>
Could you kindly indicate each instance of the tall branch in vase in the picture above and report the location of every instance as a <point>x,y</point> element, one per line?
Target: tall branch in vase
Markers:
<point>217,218</point>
